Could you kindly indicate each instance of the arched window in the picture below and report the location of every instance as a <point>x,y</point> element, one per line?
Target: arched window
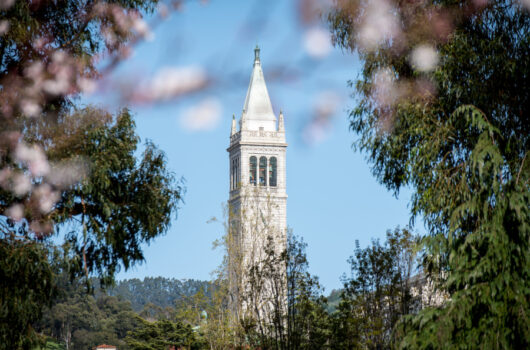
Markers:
<point>263,171</point>
<point>237,173</point>
<point>253,170</point>
<point>272,171</point>
<point>232,174</point>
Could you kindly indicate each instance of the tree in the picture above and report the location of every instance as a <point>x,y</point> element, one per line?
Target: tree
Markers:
<point>443,108</point>
<point>294,315</point>
<point>105,212</point>
<point>307,318</point>
<point>208,311</point>
<point>78,320</point>
<point>22,295</point>
<point>162,335</point>
<point>377,294</point>
<point>66,170</point>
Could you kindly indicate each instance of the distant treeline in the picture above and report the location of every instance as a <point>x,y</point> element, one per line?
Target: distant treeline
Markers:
<point>81,320</point>
<point>159,291</point>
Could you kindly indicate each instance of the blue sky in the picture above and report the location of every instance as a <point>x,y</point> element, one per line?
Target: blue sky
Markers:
<point>333,198</point>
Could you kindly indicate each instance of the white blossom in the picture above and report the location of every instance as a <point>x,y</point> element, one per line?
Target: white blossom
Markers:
<point>378,23</point>
<point>384,89</point>
<point>21,184</point>
<point>4,26</point>
<point>319,127</point>
<point>86,85</point>
<point>67,173</point>
<point>141,27</point>
<point>424,58</point>
<point>34,70</point>
<point>34,157</point>
<point>30,108</point>
<point>5,4</point>
<point>45,197</point>
<point>317,42</point>
<point>15,212</point>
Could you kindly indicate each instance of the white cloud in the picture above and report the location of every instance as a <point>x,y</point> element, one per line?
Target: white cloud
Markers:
<point>173,81</point>
<point>203,116</point>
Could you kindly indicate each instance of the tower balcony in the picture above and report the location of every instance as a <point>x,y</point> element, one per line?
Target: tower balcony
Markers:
<point>258,137</point>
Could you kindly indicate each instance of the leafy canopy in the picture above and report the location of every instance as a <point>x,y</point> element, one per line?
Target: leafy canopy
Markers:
<point>67,171</point>
<point>458,134</point>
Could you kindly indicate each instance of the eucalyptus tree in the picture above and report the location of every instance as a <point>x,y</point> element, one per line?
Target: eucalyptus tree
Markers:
<point>66,171</point>
<point>443,108</point>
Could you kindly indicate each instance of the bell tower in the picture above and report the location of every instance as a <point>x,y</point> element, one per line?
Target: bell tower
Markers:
<point>258,200</point>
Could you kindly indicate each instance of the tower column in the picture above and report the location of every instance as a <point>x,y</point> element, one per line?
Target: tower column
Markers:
<point>257,211</point>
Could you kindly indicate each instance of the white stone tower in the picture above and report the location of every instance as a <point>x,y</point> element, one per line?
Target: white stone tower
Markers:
<point>258,200</point>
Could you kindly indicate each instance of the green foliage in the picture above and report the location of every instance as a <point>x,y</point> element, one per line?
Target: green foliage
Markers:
<point>69,25</point>
<point>160,291</point>
<point>378,293</point>
<point>464,151</point>
<point>51,345</point>
<point>81,321</point>
<point>123,202</point>
<point>162,335</point>
<point>208,311</point>
<point>297,320</point>
<point>120,204</point>
<point>307,318</point>
<point>27,285</point>
<point>333,300</point>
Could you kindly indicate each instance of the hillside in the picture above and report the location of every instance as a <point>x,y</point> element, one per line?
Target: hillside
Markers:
<point>159,291</point>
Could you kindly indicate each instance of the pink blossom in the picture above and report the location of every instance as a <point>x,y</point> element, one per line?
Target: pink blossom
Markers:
<point>30,108</point>
<point>4,26</point>
<point>378,23</point>
<point>67,173</point>
<point>141,27</point>
<point>15,212</point>
<point>21,184</point>
<point>34,157</point>
<point>424,58</point>
<point>5,4</point>
<point>46,198</point>
<point>384,89</point>
<point>317,42</point>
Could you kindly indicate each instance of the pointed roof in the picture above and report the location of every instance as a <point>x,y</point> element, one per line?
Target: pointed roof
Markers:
<point>257,109</point>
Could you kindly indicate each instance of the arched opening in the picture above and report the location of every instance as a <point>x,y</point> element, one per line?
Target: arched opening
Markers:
<point>272,171</point>
<point>253,170</point>
<point>232,174</point>
<point>237,173</point>
<point>263,171</point>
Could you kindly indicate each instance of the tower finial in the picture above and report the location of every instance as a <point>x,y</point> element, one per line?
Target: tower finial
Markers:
<point>256,54</point>
<point>281,125</point>
<point>233,129</point>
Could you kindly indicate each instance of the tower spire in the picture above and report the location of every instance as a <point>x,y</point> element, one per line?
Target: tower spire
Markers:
<point>234,130</point>
<point>257,110</point>
<point>256,54</point>
<point>281,126</point>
